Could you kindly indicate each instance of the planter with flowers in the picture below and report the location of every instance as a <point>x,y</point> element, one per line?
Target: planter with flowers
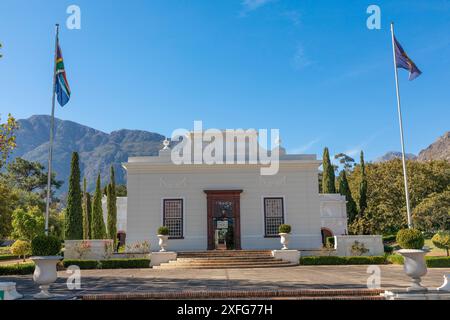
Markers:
<point>284,232</point>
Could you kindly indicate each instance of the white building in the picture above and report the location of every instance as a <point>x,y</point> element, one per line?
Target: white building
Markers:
<point>230,206</point>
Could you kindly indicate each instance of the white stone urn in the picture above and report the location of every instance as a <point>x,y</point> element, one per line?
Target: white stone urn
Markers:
<point>415,267</point>
<point>284,239</point>
<point>163,242</point>
<point>45,274</point>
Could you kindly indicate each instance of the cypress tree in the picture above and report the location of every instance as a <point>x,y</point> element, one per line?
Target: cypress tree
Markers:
<point>112,207</point>
<point>328,178</point>
<point>344,189</point>
<point>98,225</point>
<point>74,212</point>
<point>86,213</point>
<point>363,187</point>
<point>89,213</point>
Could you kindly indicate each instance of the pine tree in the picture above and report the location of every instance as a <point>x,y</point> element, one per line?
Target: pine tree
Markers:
<point>98,225</point>
<point>112,207</point>
<point>328,178</point>
<point>86,213</point>
<point>74,211</point>
<point>344,189</point>
<point>363,187</point>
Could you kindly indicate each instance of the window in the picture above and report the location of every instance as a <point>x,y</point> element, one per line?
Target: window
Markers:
<point>273,215</point>
<point>173,217</point>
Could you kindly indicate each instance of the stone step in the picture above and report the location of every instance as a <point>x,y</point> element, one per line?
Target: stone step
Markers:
<point>224,259</point>
<point>226,266</point>
<point>224,253</point>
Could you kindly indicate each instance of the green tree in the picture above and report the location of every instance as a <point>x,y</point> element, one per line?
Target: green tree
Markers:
<point>121,190</point>
<point>29,176</point>
<point>433,213</point>
<point>8,202</point>
<point>363,187</point>
<point>328,178</point>
<point>345,160</point>
<point>442,240</point>
<point>7,138</point>
<point>74,211</point>
<point>344,189</point>
<point>86,212</point>
<point>98,225</point>
<point>112,207</point>
<point>27,223</point>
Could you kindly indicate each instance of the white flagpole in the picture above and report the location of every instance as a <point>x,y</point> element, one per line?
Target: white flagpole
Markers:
<point>405,176</point>
<point>52,128</point>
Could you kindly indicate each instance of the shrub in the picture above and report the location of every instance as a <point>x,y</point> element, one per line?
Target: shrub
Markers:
<point>21,248</point>
<point>410,239</point>
<point>109,264</point>
<point>442,240</point>
<point>164,231</point>
<point>388,249</point>
<point>329,242</point>
<point>438,262</point>
<point>395,259</point>
<point>284,228</point>
<point>332,260</point>
<point>16,269</point>
<point>45,246</point>
<point>8,257</point>
<point>390,238</point>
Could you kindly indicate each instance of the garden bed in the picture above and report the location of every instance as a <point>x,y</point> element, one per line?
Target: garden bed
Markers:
<point>432,261</point>
<point>332,260</point>
<point>17,269</point>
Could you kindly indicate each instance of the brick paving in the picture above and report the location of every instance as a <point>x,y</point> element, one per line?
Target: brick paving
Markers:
<point>290,278</point>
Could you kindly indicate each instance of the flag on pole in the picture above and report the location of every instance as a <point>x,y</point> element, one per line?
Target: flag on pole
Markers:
<point>403,61</point>
<point>62,88</point>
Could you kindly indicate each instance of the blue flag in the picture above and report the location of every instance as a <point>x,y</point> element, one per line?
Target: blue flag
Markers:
<point>62,88</point>
<point>403,61</point>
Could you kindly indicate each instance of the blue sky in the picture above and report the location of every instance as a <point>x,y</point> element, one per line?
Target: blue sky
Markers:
<point>310,68</point>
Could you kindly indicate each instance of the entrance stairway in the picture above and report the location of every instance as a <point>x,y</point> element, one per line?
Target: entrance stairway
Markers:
<point>225,259</point>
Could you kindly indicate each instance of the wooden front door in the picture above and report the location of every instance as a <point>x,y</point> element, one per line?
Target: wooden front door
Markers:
<point>224,219</point>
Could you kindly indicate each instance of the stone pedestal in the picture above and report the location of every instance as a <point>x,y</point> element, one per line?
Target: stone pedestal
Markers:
<point>446,285</point>
<point>427,295</point>
<point>293,256</point>
<point>9,291</point>
<point>156,258</point>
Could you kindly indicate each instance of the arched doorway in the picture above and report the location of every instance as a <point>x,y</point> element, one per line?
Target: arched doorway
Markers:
<point>325,234</point>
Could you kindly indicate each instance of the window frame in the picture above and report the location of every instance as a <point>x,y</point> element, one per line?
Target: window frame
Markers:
<point>283,214</point>
<point>182,215</point>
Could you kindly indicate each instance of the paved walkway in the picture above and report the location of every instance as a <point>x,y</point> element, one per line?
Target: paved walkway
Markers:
<point>300,277</point>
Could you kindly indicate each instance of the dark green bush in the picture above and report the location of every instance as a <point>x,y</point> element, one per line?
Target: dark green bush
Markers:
<point>109,264</point>
<point>329,242</point>
<point>410,239</point>
<point>284,228</point>
<point>17,269</point>
<point>388,249</point>
<point>8,257</point>
<point>164,231</point>
<point>330,260</point>
<point>390,238</point>
<point>45,246</point>
<point>438,262</point>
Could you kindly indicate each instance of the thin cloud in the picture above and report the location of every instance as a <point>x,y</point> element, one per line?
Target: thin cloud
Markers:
<point>300,59</point>
<point>305,147</point>
<point>250,5</point>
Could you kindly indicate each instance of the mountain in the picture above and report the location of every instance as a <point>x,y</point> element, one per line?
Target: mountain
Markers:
<point>98,150</point>
<point>395,155</point>
<point>439,150</point>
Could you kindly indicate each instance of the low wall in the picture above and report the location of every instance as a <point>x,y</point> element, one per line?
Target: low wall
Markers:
<point>88,249</point>
<point>347,246</point>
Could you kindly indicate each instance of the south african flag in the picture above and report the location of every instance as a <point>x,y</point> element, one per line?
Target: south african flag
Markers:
<point>62,88</point>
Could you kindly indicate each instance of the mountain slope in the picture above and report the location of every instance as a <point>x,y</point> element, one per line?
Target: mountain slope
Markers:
<point>439,150</point>
<point>395,155</point>
<point>98,150</point>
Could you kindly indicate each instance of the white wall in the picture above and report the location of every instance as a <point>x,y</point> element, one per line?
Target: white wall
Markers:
<point>333,213</point>
<point>149,184</point>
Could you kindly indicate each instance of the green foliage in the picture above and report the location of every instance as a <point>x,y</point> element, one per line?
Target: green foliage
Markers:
<point>164,231</point>
<point>410,239</point>
<point>4,257</point>
<point>121,190</point>
<point>45,246</point>
<point>328,178</point>
<point>111,201</point>
<point>21,248</point>
<point>362,186</point>
<point>28,223</point>
<point>432,262</point>
<point>7,138</point>
<point>284,228</point>
<point>344,189</point>
<point>329,242</point>
<point>442,240</point>
<point>109,264</point>
<point>386,207</point>
<point>8,200</point>
<point>433,212</point>
<point>98,231</point>
<point>86,212</point>
<point>388,249</point>
<point>390,238</point>
<point>395,259</point>
<point>331,260</point>
<point>74,211</point>
<point>16,269</point>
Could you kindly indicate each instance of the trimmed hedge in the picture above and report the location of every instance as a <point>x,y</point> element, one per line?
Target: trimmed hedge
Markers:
<point>390,238</point>
<point>8,257</point>
<point>109,264</point>
<point>432,262</point>
<point>17,269</point>
<point>331,260</point>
